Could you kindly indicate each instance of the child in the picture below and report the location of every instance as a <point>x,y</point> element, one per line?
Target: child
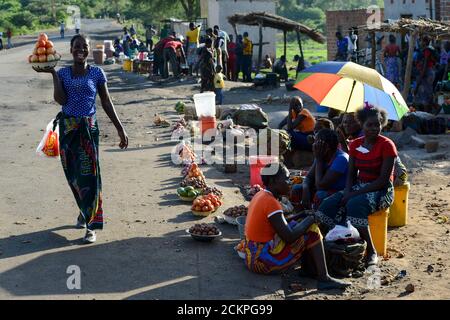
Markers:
<point>219,84</point>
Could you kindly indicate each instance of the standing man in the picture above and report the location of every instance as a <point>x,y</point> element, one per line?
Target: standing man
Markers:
<point>342,47</point>
<point>192,40</point>
<point>149,33</point>
<point>224,48</point>
<point>9,36</point>
<point>239,56</point>
<point>77,26</point>
<point>247,58</point>
<point>62,27</point>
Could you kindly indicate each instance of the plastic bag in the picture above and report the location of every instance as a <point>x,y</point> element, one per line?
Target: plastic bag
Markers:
<point>49,145</point>
<point>342,233</point>
<point>287,205</point>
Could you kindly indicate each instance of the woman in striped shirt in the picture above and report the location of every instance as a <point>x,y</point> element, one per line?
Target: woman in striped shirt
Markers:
<point>369,185</point>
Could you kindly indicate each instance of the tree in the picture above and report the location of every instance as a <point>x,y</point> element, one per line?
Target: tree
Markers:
<point>191,8</point>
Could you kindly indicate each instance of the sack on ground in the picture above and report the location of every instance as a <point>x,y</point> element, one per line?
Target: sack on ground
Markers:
<point>343,259</point>
<point>49,145</point>
<point>251,116</point>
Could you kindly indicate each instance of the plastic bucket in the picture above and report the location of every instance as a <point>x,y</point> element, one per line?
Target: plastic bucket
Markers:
<point>321,109</point>
<point>241,226</point>
<point>108,44</point>
<point>398,216</point>
<point>98,55</point>
<point>205,104</point>
<point>207,123</point>
<point>378,223</point>
<point>257,163</point>
<point>128,65</point>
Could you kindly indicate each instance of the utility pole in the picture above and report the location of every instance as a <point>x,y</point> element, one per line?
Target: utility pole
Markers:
<point>431,9</point>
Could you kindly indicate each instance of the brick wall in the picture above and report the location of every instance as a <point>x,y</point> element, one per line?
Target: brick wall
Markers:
<point>445,10</point>
<point>342,21</point>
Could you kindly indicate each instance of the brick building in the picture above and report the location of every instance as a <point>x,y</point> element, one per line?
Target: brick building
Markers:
<point>342,21</point>
<point>434,9</point>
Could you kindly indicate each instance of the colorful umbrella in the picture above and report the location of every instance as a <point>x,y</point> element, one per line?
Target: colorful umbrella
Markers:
<point>346,86</point>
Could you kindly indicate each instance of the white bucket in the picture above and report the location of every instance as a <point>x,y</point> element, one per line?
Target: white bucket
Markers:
<point>205,104</point>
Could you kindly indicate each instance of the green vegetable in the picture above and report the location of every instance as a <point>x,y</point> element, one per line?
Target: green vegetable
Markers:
<point>191,194</point>
<point>182,192</point>
<point>189,188</point>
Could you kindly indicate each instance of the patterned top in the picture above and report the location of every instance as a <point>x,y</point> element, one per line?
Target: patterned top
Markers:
<point>81,91</point>
<point>369,164</point>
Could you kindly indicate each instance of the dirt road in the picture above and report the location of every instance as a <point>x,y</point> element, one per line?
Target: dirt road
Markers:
<point>144,253</point>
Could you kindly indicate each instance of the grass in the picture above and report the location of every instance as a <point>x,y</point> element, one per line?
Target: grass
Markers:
<point>314,53</point>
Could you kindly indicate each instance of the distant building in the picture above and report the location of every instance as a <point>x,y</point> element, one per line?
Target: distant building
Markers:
<point>343,20</point>
<point>434,9</point>
<point>217,12</point>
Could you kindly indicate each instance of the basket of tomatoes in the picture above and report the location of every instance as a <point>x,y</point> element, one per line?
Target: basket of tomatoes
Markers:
<point>44,54</point>
<point>203,206</point>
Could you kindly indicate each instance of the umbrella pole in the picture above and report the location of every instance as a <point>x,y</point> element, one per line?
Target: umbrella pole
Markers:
<point>350,97</point>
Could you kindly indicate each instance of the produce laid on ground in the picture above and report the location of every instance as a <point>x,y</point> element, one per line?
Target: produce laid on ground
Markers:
<point>253,190</point>
<point>44,54</point>
<point>195,172</point>
<point>196,182</point>
<point>204,232</point>
<point>160,121</point>
<point>214,191</point>
<point>186,154</point>
<point>205,205</point>
<point>232,213</point>
<point>179,127</point>
<point>188,194</point>
<point>179,107</point>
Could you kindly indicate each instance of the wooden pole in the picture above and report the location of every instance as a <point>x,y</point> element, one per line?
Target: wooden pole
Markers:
<point>260,47</point>
<point>409,63</point>
<point>285,40</point>
<point>301,63</point>
<point>374,50</point>
<point>235,32</point>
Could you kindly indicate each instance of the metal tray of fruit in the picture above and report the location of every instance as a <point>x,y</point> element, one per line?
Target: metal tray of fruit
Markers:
<point>230,220</point>
<point>204,238</point>
<point>44,65</point>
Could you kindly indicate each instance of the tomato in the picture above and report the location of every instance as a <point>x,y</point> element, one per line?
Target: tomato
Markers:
<point>42,58</point>
<point>41,51</point>
<point>43,37</point>
<point>211,208</point>
<point>41,43</point>
<point>198,208</point>
<point>205,209</point>
<point>34,58</point>
<point>49,44</point>
<point>208,203</point>
<point>51,51</point>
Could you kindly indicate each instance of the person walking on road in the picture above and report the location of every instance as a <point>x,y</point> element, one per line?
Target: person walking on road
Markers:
<point>9,37</point>
<point>75,89</point>
<point>62,27</point>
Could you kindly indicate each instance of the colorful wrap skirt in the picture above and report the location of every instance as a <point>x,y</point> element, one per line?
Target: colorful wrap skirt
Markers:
<point>277,256</point>
<point>357,208</point>
<point>79,140</point>
<point>192,55</point>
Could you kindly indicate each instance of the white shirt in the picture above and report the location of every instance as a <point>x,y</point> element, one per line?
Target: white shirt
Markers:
<point>226,38</point>
<point>77,24</point>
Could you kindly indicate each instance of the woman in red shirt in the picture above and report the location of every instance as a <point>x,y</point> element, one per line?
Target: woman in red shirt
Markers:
<point>369,182</point>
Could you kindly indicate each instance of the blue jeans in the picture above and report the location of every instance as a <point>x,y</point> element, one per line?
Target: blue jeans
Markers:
<point>300,140</point>
<point>219,96</point>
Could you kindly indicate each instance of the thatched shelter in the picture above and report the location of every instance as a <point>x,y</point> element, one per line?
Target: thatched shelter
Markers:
<point>267,20</point>
<point>416,28</point>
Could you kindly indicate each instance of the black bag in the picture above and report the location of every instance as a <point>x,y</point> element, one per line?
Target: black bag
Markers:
<point>344,259</point>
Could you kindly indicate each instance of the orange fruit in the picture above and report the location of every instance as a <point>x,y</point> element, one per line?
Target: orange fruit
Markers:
<point>43,36</point>
<point>41,43</point>
<point>41,51</point>
<point>34,58</point>
<point>49,44</point>
<point>51,51</point>
<point>205,209</point>
<point>42,58</point>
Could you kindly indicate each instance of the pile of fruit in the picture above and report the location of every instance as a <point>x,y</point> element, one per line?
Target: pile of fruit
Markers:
<point>179,127</point>
<point>214,191</point>
<point>187,156</point>
<point>204,229</point>
<point>179,107</point>
<point>254,190</point>
<point>43,51</point>
<point>196,182</point>
<point>208,203</point>
<point>188,192</point>
<point>160,121</point>
<point>195,172</point>
<point>236,211</point>
<point>296,180</point>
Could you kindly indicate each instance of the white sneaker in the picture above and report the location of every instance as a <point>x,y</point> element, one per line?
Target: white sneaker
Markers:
<point>90,236</point>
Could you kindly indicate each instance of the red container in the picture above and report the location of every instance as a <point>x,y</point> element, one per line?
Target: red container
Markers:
<point>257,163</point>
<point>207,123</point>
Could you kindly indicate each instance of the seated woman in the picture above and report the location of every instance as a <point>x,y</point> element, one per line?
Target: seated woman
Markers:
<point>280,68</point>
<point>369,181</point>
<point>349,130</point>
<point>273,245</point>
<point>327,175</point>
<point>300,124</point>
